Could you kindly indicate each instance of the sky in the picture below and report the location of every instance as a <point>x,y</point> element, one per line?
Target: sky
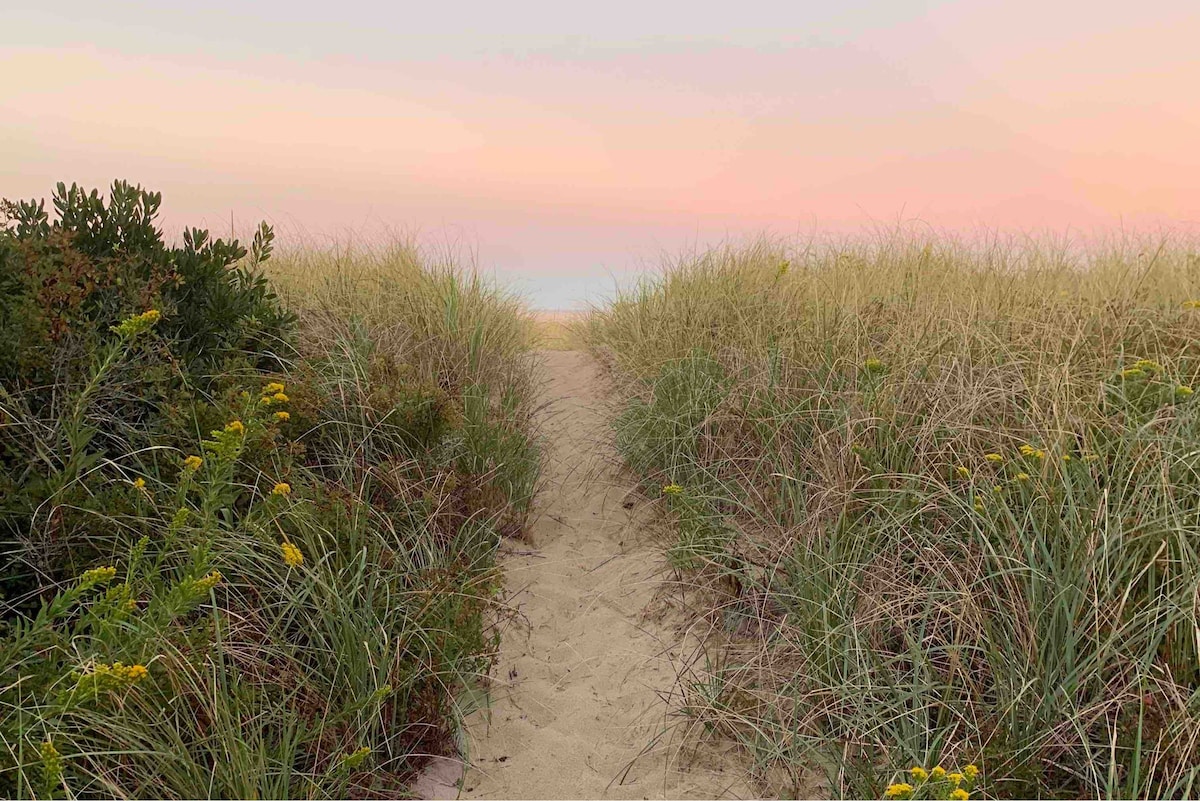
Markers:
<point>566,146</point>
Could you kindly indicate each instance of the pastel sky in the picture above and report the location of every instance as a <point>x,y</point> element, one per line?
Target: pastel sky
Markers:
<point>567,143</point>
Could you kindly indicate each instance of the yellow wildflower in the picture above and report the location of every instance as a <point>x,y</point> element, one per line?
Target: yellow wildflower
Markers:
<point>282,417</point>
<point>1148,365</point>
<point>899,790</point>
<point>1066,457</point>
<point>292,555</point>
<point>1022,476</point>
<point>139,483</point>
<point>51,764</point>
<point>206,583</point>
<point>873,364</point>
<point>997,489</point>
<point>192,463</point>
<point>100,677</point>
<point>1183,391</point>
<point>963,472</point>
<point>993,457</point>
<point>354,759</point>
<point>131,605</point>
<point>265,400</point>
<point>672,489</point>
<point>97,575</point>
<point>272,388</point>
<point>959,794</point>
<point>235,426</point>
<point>919,773</point>
<point>937,774</point>
<point>279,397</point>
<point>971,771</point>
<point>136,324</point>
<point>978,505</point>
<point>955,778</point>
<point>1029,450</point>
<point>1132,372</point>
<point>282,488</point>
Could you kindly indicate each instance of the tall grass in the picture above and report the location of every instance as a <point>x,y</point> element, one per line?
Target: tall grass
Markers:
<point>294,611</point>
<point>943,501</point>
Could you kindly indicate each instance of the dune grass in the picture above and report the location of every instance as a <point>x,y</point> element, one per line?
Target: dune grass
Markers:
<point>940,504</point>
<point>263,567</point>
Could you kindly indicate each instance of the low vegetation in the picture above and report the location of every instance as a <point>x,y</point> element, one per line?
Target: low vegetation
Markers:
<point>941,502</point>
<point>247,534</point>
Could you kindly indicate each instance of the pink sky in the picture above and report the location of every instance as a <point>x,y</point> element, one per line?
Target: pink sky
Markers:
<point>553,152</point>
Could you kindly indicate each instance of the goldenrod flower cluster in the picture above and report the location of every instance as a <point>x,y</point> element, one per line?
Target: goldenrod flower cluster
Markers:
<point>1029,450</point>
<point>1184,391</point>
<point>672,489</point>
<point>1147,365</point>
<point>130,327</point>
<point>97,575</point>
<point>100,677</point>
<point>139,483</point>
<point>936,783</point>
<point>202,585</point>
<point>282,417</point>
<point>994,458</point>
<point>192,463</point>
<point>273,393</point>
<point>235,427</point>
<point>282,488</point>
<point>51,764</point>
<point>292,555</point>
<point>355,758</point>
<point>962,472</point>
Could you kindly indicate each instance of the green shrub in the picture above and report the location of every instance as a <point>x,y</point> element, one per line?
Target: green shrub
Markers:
<point>100,260</point>
<point>232,574</point>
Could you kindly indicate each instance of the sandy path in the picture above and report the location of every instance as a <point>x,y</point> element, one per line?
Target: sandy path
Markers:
<point>576,702</point>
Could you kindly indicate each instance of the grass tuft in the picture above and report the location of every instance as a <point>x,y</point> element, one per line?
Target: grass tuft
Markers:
<point>941,500</point>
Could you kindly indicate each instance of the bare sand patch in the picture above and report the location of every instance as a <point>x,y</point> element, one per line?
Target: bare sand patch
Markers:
<point>578,707</point>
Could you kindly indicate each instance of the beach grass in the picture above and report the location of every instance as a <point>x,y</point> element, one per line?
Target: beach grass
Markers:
<point>938,503</point>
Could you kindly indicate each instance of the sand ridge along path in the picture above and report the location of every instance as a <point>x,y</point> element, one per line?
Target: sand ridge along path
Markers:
<point>577,707</point>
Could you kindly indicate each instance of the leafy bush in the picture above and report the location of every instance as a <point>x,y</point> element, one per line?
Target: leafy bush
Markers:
<point>233,571</point>
<point>100,260</point>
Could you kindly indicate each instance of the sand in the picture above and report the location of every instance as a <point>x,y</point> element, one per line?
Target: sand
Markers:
<point>577,702</point>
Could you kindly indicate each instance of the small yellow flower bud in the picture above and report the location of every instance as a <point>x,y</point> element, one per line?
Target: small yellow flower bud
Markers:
<point>292,555</point>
